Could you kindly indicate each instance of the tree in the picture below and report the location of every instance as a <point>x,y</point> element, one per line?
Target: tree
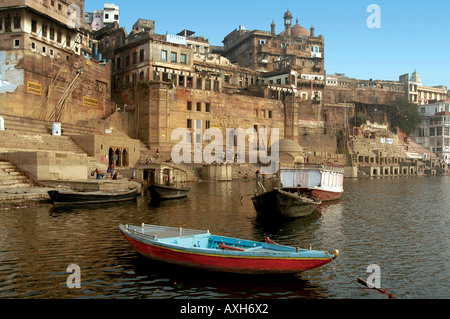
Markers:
<point>357,120</point>
<point>404,115</point>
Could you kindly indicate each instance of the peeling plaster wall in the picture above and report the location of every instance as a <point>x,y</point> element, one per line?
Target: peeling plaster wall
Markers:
<point>10,76</point>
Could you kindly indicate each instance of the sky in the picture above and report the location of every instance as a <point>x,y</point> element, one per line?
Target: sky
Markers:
<point>412,35</point>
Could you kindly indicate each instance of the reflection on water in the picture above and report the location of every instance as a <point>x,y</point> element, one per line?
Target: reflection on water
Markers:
<point>400,224</point>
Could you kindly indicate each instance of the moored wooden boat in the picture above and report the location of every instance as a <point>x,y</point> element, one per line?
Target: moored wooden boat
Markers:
<point>279,203</point>
<point>202,250</point>
<point>324,182</point>
<point>63,197</point>
<point>167,192</point>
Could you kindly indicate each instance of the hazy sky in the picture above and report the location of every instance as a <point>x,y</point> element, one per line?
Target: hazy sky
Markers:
<point>412,35</point>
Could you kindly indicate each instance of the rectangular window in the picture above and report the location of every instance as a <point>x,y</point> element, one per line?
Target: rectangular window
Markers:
<point>199,84</point>
<point>68,40</point>
<point>432,131</point>
<point>164,55</point>
<point>439,131</point>
<point>127,60</point>
<point>183,58</point>
<point>198,124</point>
<point>16,22</point>
<point>118,63</point>
<point>33,46</point>
<point>1,24</point>
<point>207,125</point>
<point>141,55</point>
<point>8,23</point>
<point>33,26</point>
<point>16,43</point>
<point>44,50</point>
<point>59,36</point>
<point>208,85</point>
<point>44,31</point>
<point>189,82</point>
<point>199,106</point>
<point>446,131</point>
<point>52,34</point>
<point>189,123</point>
<point>134,57</point>
<point>270,114</point>
<point>173,57</point>
<point>189,106</point>
<point>207,107</point>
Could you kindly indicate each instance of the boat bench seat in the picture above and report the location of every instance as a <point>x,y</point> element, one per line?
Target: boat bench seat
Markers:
<point>254,248</point>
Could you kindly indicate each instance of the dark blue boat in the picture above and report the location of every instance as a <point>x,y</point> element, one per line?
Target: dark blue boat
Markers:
<point>62,197</point>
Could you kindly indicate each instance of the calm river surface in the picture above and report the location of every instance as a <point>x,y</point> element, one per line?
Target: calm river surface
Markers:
<point>400,224</point>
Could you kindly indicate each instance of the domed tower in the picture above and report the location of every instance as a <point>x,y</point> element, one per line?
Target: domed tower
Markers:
<point>287,22</point>
<point>298,31</point>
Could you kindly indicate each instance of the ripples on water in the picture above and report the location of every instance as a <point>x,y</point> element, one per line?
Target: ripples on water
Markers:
<point>400,224</point>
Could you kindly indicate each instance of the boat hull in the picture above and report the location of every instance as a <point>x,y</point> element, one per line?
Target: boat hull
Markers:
<point>221,262</point>
<point>70,198</point>
<point>164,192</point>
<point>277,203</point>
<point>324,196</point>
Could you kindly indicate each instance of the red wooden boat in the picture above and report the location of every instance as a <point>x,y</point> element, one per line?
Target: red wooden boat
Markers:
<point>202,250</point>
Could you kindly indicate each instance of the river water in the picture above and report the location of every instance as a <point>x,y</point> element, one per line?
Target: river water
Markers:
<point>400,224</point>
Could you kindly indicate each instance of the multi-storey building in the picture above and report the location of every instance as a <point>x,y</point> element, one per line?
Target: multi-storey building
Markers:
<point>45,62</point>
<point>419,94</point>
<point>292,65</point>
<point>281,88</point>
<point>434,130</point>
<point>172,81</point>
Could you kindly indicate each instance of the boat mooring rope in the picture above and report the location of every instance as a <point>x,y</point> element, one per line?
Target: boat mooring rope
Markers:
<point>334,262</point>
<point>360,281</point>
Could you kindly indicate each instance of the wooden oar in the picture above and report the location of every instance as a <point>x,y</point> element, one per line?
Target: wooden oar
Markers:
<point>384,292</point>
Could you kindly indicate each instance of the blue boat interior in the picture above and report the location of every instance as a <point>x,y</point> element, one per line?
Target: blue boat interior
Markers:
<point>213,242</point>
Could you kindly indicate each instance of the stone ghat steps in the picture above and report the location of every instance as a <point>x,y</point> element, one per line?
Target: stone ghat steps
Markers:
<point>19,140</point>
<point>11,177</point>
<point>43,127</point>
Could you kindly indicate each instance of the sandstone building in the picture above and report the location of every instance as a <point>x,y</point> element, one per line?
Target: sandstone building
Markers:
<point>46,63</point>
<point>173,81</point>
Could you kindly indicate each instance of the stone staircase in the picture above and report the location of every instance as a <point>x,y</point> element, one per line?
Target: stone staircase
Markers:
<point>12,140</point>
<point>146,153</point>
<point>12,178</point>
<point>417,148</point>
